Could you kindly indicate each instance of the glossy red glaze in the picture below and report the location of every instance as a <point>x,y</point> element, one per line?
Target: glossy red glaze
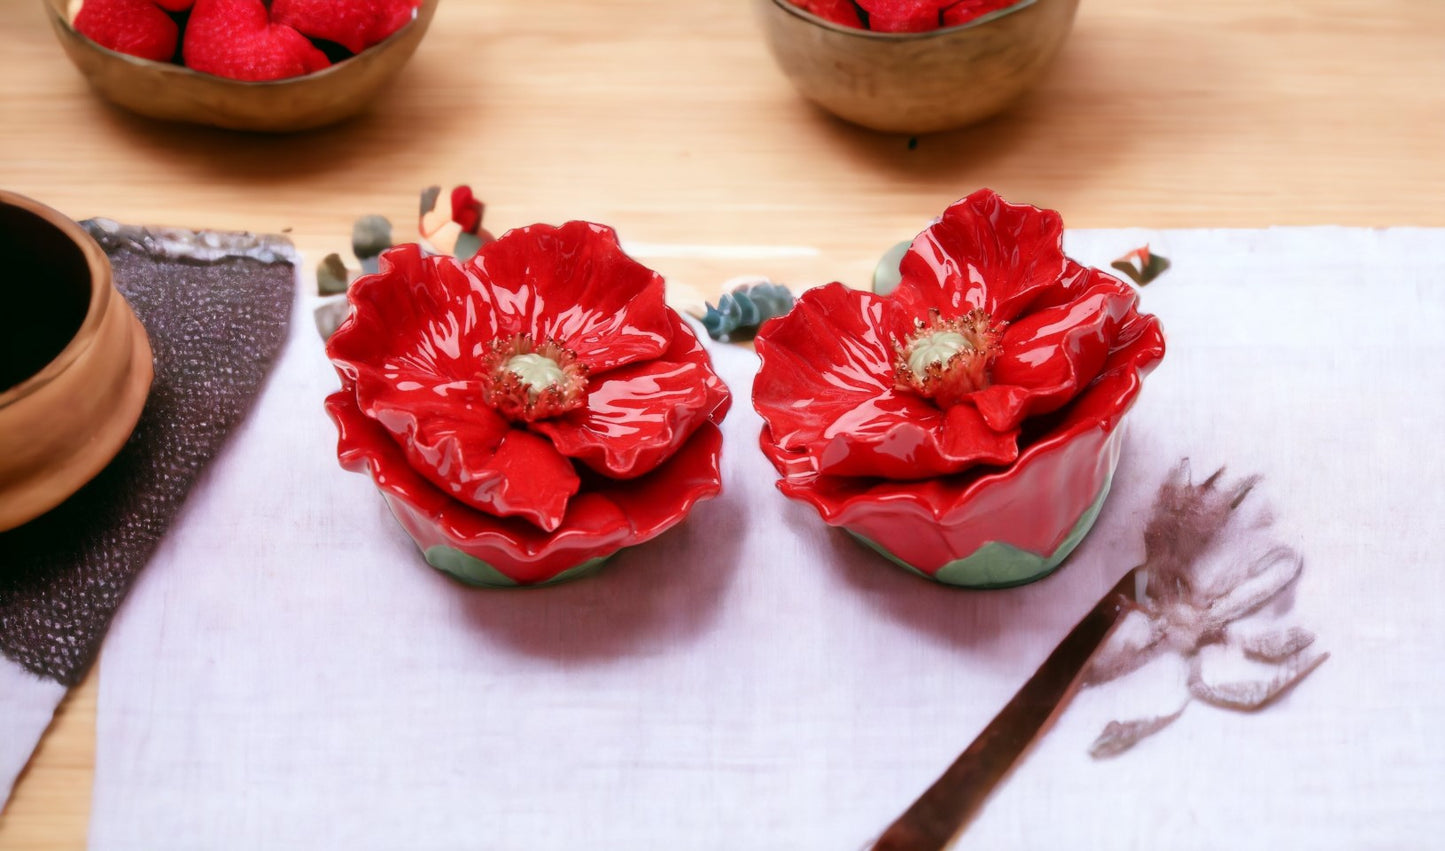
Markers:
<point>1016,462</point>
<point>827,388</point>
<point>415,362</point>
<point>606,516</point>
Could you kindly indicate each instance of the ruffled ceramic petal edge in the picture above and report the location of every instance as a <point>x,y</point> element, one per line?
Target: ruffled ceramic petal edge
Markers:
<point>575,284</point>
<point>1056,350</point>
<point>571,283</point>
<point>637,416</point>
<point>921,520</point>
<point>825,390</point>
<point>416,343</point>
<point>602,518</point>
<point>451,436</point>
<point>983,252</point>
<point>412,315</point>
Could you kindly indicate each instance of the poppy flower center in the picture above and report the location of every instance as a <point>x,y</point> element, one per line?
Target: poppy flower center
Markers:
<point>946,359</point>
<point>536,372</point>
<point>527,382</point>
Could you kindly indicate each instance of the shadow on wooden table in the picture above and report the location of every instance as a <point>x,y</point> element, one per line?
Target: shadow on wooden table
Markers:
<point>399,128</point>
<point>1096,110</point>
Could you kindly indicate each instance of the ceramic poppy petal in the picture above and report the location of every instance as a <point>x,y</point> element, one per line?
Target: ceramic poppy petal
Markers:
<point>889,443</point>
<point>826,390</point>
<point>530,479</point>
<point>597,522</point>
<point>825,357</point>
<point>657,501</point>
<point>453,438</point>
<point>574,284</point>
<point>931,522</point>
<point>417,314</point>
<point>1050,355</point>
<point>982,253</point>
<point>638,415</point>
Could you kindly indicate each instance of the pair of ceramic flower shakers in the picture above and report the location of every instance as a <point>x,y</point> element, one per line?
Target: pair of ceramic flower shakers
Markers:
<point>531,411</point>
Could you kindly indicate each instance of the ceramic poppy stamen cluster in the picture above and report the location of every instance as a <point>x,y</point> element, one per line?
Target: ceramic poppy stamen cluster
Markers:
<point>965,425</point>
<point>529,411</point>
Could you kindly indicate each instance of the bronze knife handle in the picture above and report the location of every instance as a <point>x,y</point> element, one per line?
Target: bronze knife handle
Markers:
<point>942,811</point>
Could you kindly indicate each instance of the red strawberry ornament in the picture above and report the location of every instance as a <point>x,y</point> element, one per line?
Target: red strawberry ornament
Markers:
<point>353,24</point>
<point>838,11</point>
<point>236,39</point>
<point>136,27</point>
<point>967,10</point>
<point>903,16</point>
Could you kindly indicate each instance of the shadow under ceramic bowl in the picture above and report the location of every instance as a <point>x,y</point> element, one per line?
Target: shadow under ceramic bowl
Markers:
<point>917,82</point>
<point>175,93</point>
<point>75,364</point>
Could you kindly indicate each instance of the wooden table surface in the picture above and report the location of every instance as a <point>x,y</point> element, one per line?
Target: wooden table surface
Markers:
<point>669,122</point>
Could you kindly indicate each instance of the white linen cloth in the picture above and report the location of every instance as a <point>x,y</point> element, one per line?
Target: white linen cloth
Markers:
<point>27,703</point>
<point>288,673</point>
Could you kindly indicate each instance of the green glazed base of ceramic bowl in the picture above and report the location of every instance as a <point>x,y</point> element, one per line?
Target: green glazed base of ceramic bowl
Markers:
<point>474,571</point>
<point>999,565</point>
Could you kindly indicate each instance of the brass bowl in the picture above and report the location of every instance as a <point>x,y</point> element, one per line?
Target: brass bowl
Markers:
<point>75,364</point>
<point>917,82</point>
<point>176,93</point>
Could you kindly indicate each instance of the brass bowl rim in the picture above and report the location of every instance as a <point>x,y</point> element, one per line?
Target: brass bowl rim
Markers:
<point>57,8</point>
<point>100,295</point>
<point>874,35</point>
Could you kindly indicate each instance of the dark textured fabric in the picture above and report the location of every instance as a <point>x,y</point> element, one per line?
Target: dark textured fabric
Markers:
<point>215,325</point>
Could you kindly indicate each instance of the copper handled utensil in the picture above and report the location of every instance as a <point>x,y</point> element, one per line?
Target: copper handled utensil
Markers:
<point>933,821</point>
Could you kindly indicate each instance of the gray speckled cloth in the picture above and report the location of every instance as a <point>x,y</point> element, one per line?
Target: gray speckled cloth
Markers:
<point>216,307</point>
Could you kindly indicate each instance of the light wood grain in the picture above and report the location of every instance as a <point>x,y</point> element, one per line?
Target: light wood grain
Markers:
<point>669,121</point>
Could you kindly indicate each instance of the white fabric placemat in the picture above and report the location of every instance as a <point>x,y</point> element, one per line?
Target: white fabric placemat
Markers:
<point>288,673</point>
<point>27,703</point>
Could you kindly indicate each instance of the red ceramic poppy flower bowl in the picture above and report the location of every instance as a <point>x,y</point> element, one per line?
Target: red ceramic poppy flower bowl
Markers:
<point>967,425</point>
<point>528,412</point>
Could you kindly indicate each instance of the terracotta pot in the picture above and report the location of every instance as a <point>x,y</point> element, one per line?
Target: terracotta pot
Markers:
<point>176,93</point>
<point>75,365</point>
<point>917,82</point>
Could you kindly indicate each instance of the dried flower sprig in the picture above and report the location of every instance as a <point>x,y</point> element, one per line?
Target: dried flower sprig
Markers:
<point>1210,565</point>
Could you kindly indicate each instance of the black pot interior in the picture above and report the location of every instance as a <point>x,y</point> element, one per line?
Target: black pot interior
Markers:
<point>44,293</point>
